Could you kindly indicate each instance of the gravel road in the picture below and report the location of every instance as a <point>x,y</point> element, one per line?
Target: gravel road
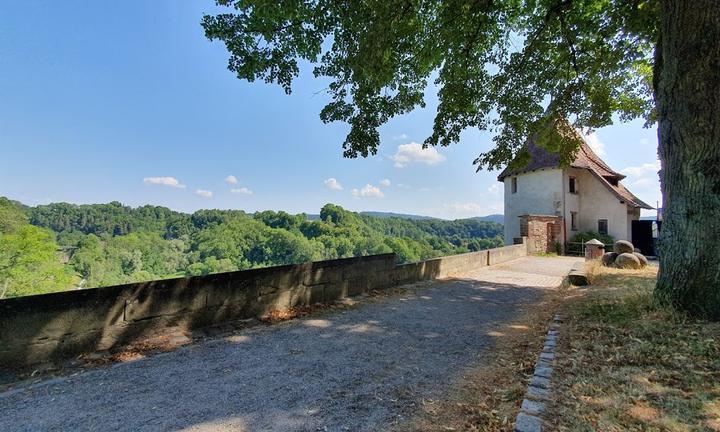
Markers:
<point>358,369</point>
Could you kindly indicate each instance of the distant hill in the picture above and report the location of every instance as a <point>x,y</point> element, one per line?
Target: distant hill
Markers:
<point>497,218</point>
<point>397,215</point>
<point>111,244</point>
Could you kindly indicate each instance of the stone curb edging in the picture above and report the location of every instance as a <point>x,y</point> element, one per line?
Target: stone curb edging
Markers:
<point>529,419</point>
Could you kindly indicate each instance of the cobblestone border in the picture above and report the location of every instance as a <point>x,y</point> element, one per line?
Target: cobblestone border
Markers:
<point>529,419</point>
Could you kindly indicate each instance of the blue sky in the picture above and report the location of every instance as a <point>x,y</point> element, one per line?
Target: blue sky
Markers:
<point>128,101</point>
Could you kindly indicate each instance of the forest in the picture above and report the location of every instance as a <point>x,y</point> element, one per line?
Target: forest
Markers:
<point>62,246</point>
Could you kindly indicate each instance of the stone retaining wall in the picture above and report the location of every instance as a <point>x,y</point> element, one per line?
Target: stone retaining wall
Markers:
<point>48,327</point>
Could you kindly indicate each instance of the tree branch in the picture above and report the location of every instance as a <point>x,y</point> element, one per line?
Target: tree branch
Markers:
<point>555,10</point>
<point>571,46</point>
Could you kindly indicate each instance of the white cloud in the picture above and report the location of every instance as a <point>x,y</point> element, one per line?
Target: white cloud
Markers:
<point>402,136</point>
<point>163,181</point>
<point>204,193</point>
<point>495,188</point>
<point>368,191</point>
<point>595,144</point>
<point>467,207</point>
<point>385,182</point>
<point>644,182</point>
<point>333,184</point>
<point>242,191</point>
<point>404,186</point>
<point>643,171</point>
<point>429,189</point>
<point>461,210</point>
<point>414,152</point>
<point>231,180</point>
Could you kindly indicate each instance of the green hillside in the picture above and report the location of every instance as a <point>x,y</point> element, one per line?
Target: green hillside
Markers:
<point>64,246</point>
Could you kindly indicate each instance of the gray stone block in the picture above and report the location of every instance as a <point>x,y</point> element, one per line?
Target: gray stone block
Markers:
<point>300,296</point>
<point>547,356</point>
<point>320,275</point>
<point>317,294</point>
<point>538,381</point>
<point>355,286</point>
<point>543,371</point>
<point>578,278</point>
<point>165,297</point>
<point>335,291</point>
<point>380,280</point>
<point>532,407</point>
<point>537,393</point>
<point>543,363</point>
<point>527,423</point>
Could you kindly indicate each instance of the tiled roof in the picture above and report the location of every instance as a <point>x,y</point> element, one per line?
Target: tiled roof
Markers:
<point>585,159</point>
<point>623,193</point>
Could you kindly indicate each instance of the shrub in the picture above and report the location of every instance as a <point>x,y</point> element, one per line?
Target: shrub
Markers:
<point>589,235</point>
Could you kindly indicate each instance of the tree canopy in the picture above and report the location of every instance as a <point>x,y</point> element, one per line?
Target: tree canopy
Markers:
<point>522,69</point>
<point>506,66</point>
<point>64,246</point>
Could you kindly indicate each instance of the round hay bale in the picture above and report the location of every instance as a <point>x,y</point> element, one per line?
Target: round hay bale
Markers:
<point>624,246</point>
<point>608,259</point>
<point>641,257</point>
<point>627,261</point>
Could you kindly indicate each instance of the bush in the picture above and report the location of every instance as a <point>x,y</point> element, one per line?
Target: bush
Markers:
<point>589,235</point>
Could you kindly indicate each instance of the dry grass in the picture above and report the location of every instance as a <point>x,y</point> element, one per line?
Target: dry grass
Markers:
<point>487,398</point>
<point>626,363</point>
<point>277,316</point>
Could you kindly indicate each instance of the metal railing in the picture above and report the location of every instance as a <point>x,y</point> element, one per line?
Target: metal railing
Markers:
<point>578,248</point>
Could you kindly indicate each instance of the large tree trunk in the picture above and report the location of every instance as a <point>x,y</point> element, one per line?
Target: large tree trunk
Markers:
<point>687,92</point>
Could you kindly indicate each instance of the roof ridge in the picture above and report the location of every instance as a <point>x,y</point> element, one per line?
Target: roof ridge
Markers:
<point>594,157</point>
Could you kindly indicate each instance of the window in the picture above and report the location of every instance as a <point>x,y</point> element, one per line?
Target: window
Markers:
<point>612,180</point>
<point>602,226</point>
<point>514,185</point>
<point>573,221</point>
<point>573,185</point>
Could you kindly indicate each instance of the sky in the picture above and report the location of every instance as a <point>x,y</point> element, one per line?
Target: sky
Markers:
<point>128,101</point>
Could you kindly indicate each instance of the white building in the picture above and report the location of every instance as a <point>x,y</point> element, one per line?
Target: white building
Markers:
<point>555,203</point>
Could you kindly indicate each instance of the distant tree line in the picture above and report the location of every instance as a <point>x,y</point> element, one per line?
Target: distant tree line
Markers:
<point>64,246</point>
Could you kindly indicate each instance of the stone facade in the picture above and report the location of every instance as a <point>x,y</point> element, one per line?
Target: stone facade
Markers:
<point>536,193</point>
<point>587,193</point>
<point>543,233</point>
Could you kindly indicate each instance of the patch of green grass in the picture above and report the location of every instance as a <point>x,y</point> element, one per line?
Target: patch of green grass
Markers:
<point>545,254</point>
<point>626,363</point>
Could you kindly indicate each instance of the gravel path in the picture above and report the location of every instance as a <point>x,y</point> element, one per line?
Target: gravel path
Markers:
<point>357,369</point>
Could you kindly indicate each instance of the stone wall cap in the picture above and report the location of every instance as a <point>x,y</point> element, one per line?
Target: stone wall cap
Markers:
<point>539,215</point>
<point>594,242</point>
